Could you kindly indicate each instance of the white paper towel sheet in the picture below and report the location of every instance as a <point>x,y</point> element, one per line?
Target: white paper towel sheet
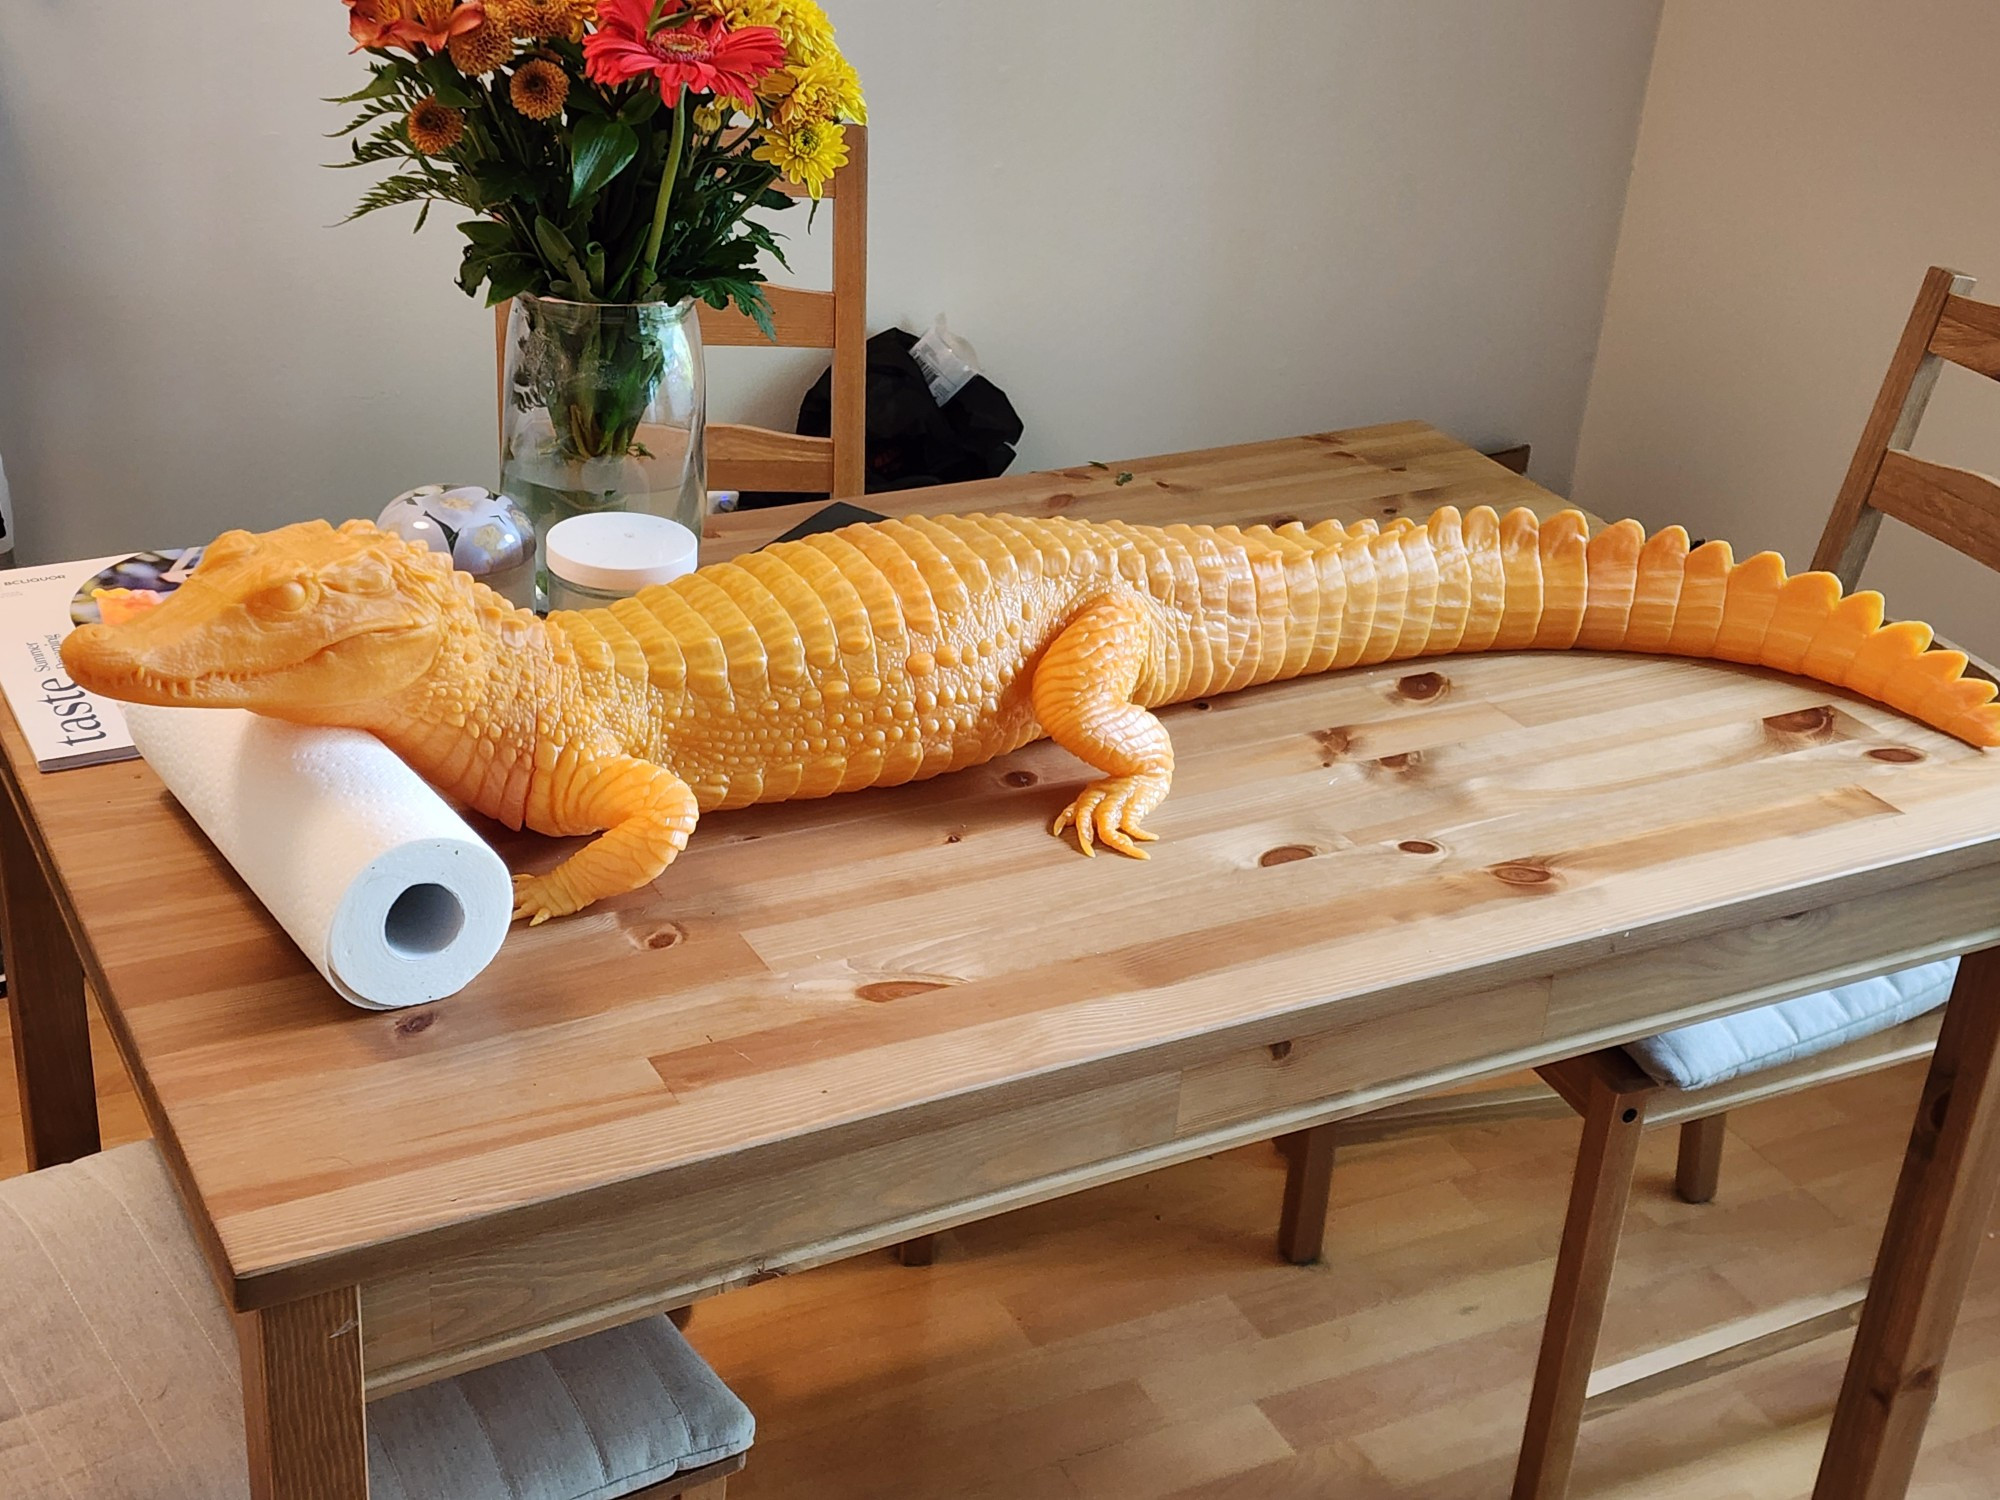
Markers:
<point>386,889</point>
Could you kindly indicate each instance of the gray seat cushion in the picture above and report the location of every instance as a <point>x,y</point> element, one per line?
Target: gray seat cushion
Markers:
<point>119,1377</point>
<point>1710,1052</point>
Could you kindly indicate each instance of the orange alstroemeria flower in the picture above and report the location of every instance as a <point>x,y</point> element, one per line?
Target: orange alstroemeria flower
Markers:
<point>374,23</point>
<point>435,22</point>
<point>412,23</point>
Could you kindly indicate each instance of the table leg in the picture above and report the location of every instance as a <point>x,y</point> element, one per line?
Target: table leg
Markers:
<point>45,1006</point>
<point>1611,1096</point>
<point>1308,1193</point>
<point>304,1415</point>
<point>1943,1199</point>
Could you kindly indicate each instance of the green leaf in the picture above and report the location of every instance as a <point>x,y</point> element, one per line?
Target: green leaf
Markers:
<point>448,91</point>
<point>555,245</point>
<point>641,107</point>
<point>560,253</point>
<point>383,86</point>
<point>509,278</point>
<point>600,150</point>
<point>488,234</point>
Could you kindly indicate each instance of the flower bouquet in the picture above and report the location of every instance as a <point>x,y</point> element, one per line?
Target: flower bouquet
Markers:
<point>609,154</point>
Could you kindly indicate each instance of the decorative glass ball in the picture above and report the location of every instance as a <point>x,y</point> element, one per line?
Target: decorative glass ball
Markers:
<point>483,534</point>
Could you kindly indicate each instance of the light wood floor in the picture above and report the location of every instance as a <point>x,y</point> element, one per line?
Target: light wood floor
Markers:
<point>1141,1340</point>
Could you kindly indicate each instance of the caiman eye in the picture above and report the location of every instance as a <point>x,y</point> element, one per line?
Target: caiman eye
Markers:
<point>286,598</point>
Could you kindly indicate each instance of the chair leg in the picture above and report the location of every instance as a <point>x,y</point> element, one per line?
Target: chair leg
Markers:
<point>1308,1188</point>
<point>920,1251</point>
<point>1699,1168</point>
<point>1613,1115</point>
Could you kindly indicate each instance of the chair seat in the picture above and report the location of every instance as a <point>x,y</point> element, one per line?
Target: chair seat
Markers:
<point>1712,1052</point>
<point>119,1374</point>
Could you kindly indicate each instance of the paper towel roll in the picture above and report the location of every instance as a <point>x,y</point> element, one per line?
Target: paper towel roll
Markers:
<point>393,898</point>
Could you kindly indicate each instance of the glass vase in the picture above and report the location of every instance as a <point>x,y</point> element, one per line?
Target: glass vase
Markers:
<point>603,408</point>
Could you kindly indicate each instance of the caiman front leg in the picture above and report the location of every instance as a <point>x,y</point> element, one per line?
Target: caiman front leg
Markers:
<point>1082,692</point>
<point>647,813</point>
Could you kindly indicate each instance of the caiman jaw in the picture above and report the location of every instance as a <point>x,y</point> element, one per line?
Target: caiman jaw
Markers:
<point>99,661</point>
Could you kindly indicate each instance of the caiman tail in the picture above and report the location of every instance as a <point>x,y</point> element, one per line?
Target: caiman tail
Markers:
<point>1480,582</point>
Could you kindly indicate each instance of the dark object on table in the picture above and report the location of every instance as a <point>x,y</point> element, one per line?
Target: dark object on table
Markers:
<point>912,441</point>
<point>830,518</point>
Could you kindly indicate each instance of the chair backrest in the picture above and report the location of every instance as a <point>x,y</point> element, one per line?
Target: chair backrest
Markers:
<point>1956,506</point>
<point>741,457</point>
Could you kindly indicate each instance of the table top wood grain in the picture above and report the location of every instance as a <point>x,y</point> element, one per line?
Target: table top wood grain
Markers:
<point>1459,864</point>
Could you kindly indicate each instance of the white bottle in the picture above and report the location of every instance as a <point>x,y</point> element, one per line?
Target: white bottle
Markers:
<point>946,360</point>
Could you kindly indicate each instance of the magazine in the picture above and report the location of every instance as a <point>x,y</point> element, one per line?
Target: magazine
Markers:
<point>64,725</point>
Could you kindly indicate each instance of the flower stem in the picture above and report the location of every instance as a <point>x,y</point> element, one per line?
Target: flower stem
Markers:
<point>674,148</point>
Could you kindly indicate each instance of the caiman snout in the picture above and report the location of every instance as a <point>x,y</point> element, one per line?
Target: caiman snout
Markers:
<point>103,659</point>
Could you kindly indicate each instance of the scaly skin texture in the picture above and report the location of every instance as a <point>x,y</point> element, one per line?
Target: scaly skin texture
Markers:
<point>899,650</point>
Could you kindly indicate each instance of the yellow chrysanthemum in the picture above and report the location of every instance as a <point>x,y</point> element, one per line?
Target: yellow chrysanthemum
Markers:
<point>807,32</point>
<point>433,127</point>
<point>480,51</point>
<point>712,116</point>
<point>826,89</point>
<point>807,153</point>
<point>539,89</point>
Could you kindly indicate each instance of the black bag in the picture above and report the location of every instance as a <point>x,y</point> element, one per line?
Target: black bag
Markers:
<point>912,441</point>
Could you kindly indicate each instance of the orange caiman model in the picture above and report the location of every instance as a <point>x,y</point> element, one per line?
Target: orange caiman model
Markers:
<point>902,649</point>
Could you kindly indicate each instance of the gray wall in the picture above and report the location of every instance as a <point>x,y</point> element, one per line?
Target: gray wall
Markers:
<point>1801,163</point>
<point>1163,223</point>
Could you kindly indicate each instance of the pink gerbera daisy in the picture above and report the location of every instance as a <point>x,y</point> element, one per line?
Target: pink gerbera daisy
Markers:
<point>700,55</point>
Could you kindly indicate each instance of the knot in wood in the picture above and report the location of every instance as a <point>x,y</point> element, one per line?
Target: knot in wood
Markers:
<point>1286,854</point>
<point>669,936</point>
<point>1333,743</point>
<point>1020,778</point>
<point>883,990</point>
<point>1522,872</point>
<point>1423,687</point>
<point>1806,721</point>
<point>415,1025</point>
<point>1896,755</point>
<point>1419,846</point>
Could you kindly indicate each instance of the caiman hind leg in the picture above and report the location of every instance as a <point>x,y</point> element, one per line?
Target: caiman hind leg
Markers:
<point>647,813</point>
<point>1082,693</point>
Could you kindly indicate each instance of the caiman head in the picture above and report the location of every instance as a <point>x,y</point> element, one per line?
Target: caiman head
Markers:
<point>300,623</point>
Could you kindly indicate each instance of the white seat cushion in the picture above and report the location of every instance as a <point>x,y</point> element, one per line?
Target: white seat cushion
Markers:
<point>119,1377</point>
<point>1710,1052</point>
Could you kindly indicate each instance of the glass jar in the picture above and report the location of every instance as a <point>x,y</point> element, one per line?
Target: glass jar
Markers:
<point>597,559</point>
<point>603,409</point>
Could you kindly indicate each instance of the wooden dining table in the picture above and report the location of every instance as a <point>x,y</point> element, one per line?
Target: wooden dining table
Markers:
<point>832,1026</point>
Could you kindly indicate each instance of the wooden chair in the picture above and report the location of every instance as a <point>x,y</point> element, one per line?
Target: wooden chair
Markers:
<point>1618,1100</point>
<point>121,1364</point>
<point>741,457</point>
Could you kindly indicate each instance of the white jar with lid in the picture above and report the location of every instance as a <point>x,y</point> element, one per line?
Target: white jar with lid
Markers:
<point>608,555</point>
